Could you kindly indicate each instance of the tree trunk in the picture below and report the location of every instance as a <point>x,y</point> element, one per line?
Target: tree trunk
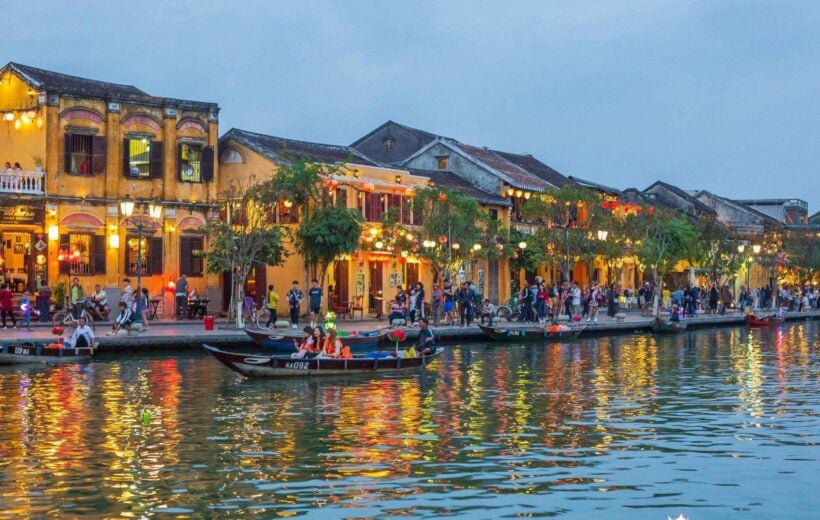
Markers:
<point>658,289</point>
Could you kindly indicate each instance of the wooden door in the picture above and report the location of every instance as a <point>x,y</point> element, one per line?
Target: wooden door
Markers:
<point>341,274</point>
<point>375,291</point>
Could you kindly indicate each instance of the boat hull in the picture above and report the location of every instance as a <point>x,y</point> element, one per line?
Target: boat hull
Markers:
<point>252,365</point>
<point>764,321</point>
<point>282,343</point>
<point>518,334</point>
<point>29,353</point>
<point>668,327</point>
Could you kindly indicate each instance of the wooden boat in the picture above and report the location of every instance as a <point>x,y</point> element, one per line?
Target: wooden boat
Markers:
<point>533,333</point>
<point>764,320</point>
<point>660,326</point>
<point>282,342</point>
<point>18,353</point>
<point>253,365</point>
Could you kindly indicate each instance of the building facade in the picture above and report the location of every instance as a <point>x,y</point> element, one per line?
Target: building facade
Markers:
<point>77,148</point>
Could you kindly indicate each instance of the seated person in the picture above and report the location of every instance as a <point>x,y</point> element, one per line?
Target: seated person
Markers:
<point>123,321</point>
<point>83,336</point>
<point>304,348</point>
<point>427,340</point>
<point>100,300</point>
<point>396,311</point>
<point>332,346</point>
<point>675,317</point>
<point>487,311</point>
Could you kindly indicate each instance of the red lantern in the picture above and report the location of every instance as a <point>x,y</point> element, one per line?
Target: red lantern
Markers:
<point>650,210</point>
<point>604,204</point>
<point>442,239</point>
<point>638,210</point>
<point>613,205</point>
<point>442,197</point>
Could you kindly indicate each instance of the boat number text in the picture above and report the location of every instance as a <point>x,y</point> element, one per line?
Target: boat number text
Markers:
<point>297,365</point>
<point>19,350</point>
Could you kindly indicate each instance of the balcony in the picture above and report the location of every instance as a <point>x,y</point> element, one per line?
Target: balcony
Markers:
<point>22,183</point>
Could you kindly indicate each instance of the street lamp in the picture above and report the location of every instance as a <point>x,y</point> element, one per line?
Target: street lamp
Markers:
<point>141,224</point>
<point>741,248</point>
<point>476,247</point>
<point>602,234</point>
<point>756,248</point>
<point>522,245</point>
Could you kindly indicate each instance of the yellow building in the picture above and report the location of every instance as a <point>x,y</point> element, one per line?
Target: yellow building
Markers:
<point>368,278</point>
<point>81,147</point>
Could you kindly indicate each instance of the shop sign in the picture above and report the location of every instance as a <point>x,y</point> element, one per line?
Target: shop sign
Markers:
<point>40,245</point>
<point>21,215</point>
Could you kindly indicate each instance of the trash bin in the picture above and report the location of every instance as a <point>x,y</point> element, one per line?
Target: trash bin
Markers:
<point>209,322</point>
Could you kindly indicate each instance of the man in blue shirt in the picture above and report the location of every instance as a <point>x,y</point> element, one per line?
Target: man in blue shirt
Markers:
<point>314,302</point>
<point>295,297</point>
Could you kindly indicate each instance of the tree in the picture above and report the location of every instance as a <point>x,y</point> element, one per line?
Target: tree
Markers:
<point>622,232</point>
<point>329,232</point>
<point>248,236</point>
<point>801,252</point>
<point>669,239</point>
<point>715,252</point>
<point>565,218</point>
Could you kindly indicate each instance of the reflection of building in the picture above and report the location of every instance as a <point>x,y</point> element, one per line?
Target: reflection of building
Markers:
<point>364,185</point>
<point>82,146</point>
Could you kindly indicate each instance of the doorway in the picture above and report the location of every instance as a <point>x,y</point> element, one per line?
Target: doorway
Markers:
<point>17,262</point>
<point>375,292</point>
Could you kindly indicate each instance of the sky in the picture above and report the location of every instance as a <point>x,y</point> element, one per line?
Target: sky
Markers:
<point>716,95</point>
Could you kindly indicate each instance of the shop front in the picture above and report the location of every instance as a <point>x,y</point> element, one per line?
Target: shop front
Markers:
<point>24,251</point>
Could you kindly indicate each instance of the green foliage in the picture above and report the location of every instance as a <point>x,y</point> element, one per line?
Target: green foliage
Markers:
<point>59,292</point>
<point>715,251</point>
<point>802,254</point>
<point>331,231</point>
<point>669,239</point>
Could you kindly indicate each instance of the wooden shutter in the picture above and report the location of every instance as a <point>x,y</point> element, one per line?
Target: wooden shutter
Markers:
<point>185,256</point>
<point>156,160</point>
<point>179,161</point>
<point>65,245</point>
<point>406,206</point>
<point>155,256</point>
<point>395,203</point>
<point>67,154</point>
<point>98,154</point>
<point>126,165</point>
<point>99,251</point>
<point>206,164</point>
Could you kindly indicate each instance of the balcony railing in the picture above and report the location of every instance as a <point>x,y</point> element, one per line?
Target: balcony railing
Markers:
<point>26,183</point>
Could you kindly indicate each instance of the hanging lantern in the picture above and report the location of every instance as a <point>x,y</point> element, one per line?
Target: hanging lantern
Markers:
<point>638,210</point>
<point>442,197</point>
<point>410,192</point>
<point>650,210</point>
<point>369,187</point>
<point>604,204</point>
<point>442,239</point>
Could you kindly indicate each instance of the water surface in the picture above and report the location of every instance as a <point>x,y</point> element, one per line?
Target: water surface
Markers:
<point>718,423</point>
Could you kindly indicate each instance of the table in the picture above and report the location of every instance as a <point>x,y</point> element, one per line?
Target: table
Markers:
<point>198,308</point>
<point>153,304</point>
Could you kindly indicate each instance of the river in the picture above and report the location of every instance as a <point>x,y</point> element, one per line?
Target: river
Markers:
<point>719,423</point>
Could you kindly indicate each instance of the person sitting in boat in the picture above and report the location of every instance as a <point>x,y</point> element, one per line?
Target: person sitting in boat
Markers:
<point>83,336</point>
<point>315,347</point>
<point>346,354</point>
<point>306,346</point>
<point>332,345</point>
<point>427,340</point>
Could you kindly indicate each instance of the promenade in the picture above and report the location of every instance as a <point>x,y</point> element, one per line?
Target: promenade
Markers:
<point>179,335</point>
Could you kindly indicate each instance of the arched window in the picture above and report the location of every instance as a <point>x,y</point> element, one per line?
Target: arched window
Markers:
<point>232,156</point>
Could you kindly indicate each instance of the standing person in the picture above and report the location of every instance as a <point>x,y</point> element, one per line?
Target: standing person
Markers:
<point>272,302</point>
<point>295,297</point>
<point>419,301</point>
<point>44,302</point>
<point>713,299</point>
<point>611,302</point>
<point>525,301</point>
<point>465,304</point>
<point>7,306</point>
<point>594,302</point>
<point>83,335</point>
<point>25,308</point>
<point>315,294</point>
<point>181,296</point>
<point>436,303</point>
<point>575,294</point>
<point>144,305</point>
<point>76,296</point>
<point>541,299</point>
<point>411,315</point>
<point>449,303</point>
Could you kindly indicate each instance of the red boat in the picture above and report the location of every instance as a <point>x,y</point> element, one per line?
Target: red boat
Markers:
<point>764,320</point>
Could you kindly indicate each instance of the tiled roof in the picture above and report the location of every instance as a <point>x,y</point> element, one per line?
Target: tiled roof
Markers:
<point>67,85</point>
<point>516,176</point>
<point>421,136</point>
<point>595,186</point>
<point>451,181</point>
<point>280,149</point>
<point>700,206</point>
<point>536,167</point>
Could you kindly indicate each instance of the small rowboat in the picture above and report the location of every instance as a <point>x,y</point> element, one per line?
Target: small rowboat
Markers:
<point>764,320</point>
<point>253,365</point>
<point>33,352</point>
<point>660,326</point>
<point>282,342</point>
<point>517,334</point>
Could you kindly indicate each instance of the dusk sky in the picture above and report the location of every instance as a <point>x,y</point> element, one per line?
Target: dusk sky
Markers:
<point>720,95</point>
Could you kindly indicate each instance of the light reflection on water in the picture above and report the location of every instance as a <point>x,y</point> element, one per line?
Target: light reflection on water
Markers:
<point>714,424</point>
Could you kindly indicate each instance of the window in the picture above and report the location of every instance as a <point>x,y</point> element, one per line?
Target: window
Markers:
<point>341,197</point>
<point>190,162</point>
<point>232,156</point>
<point>442,161</point>
<point>85,254</point>
<point>84,154</point>
<point>288,214</point>
<point>388,144</point>
<point>190,256</point>
<point>142,158</point>
<point>374,206</point>
<point>493,214</point>
<point>150,257</point>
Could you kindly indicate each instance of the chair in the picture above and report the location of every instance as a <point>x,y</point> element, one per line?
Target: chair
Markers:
<point>342,309</point>
<point>357,305</point>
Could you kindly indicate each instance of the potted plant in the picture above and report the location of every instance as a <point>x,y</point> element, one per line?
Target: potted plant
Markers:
<point>59,293</point>
<point>38,163</point>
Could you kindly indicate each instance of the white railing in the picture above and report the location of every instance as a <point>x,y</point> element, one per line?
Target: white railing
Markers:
<point>28,183</point>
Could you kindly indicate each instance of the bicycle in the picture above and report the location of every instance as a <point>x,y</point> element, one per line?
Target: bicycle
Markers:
<point>262,316</point>
<point>66,319</point>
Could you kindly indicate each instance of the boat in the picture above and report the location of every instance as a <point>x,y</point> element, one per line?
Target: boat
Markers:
<point>254,365</point>
<point>764,320</point>
<point>19,353</point>
<point>282,342</point>
<point>660,326</point>
<point>552,332</point>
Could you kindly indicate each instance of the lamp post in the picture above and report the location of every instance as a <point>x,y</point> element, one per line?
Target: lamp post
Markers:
<point>141,223</point>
